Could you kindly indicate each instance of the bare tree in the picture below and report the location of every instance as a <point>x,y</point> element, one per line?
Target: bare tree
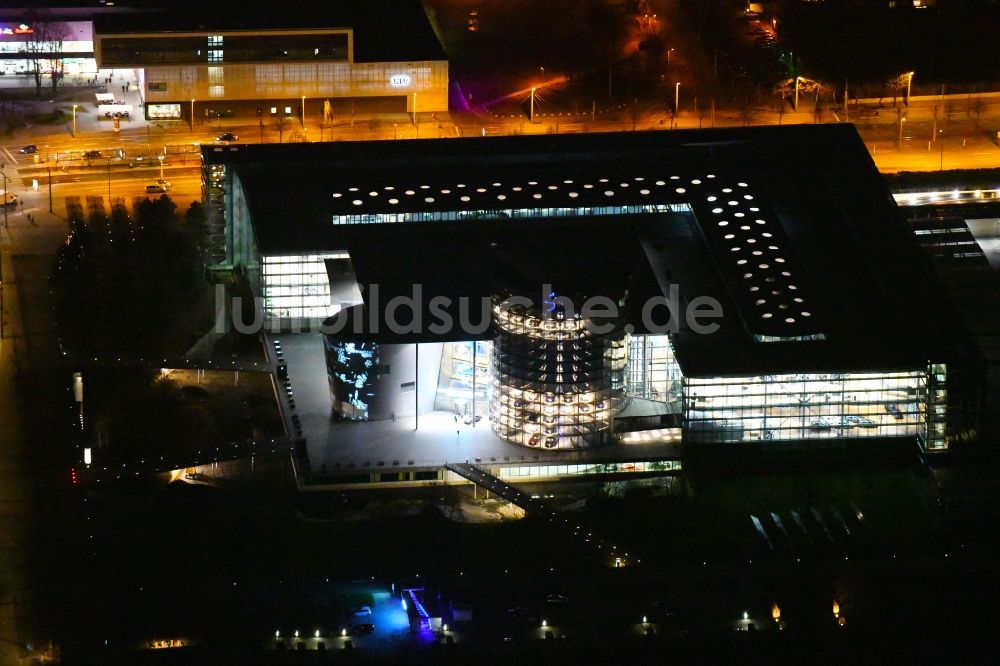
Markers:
<point>43,49</point>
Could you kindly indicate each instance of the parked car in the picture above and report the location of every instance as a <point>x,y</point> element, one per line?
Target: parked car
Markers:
<point>820,424</point>
<point>550,442</point>
<point>363,629</point>
<point>535,439</point>
<point>30,148</point>
<point>467,419</point>
<point>852,421</point>
<point>894,411</point>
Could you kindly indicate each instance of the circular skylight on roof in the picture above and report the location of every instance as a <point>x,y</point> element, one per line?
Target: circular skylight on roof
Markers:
<point>732,236</point>
<point>741,261</point>
<point>373,194</point>
<point>496,184</point>
<point>502,197</point>
<point>792,287</point>
<point>588,186</point>
<point>789,320</point>
<point>727,190</point>
<point>624,184</point>
<point>568,182</point>
<point>742,184</point>
<point>716,210</point>
<point>766,234</point>
<point>738,214</point>
<point>680,190</point>
<point>388,188</point>
<point>553,187</point>
<point>806,313</point>
<point>766,315</point>
<point>754,289</point>
<point>573,195</point>
<point>751,240</point>
<point>723,223</point>
<point>643,191</point>
<point>609,193</point>
<point>710,199</point>
<point>394,201</point>
<point>337,195</point>
<point>760,221</point>
<point>425,187</point>
<point>357,202</point>
<point>516,188</point>
<point>735,248</point>
<point>602,180</point>
<point>532,182</point>
<point>696,182</point>
<point>748,197</point>
<point>759,301</point>
<point>763,267</point>
<point>744,228</point>
<point>465,197</point>
<point>754,209</point>
<point>410,192</point>
<point>638,179</point>
<point>429,199</point>
<point>711,175</point>
<point>779,260</point>
<point>352,189</point>
<point>537,195</point>
<point>675,178</point>
<point>733,203</point>
<point>661,183</point>
<point>480,189</point>
<point>445,191</point>
<point>460,185</point>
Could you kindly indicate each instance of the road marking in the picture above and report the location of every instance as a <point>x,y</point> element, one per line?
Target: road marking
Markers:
<point>10,156</point>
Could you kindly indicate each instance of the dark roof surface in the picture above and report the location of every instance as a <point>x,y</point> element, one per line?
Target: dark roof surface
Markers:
<point>790,229</point>
<point>384,30</point>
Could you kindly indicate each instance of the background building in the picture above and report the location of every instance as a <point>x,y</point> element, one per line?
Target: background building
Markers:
<point>304,60</point>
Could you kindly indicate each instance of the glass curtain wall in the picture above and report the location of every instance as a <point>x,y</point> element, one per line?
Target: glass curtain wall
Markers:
<point>653,370</point>
<point>464,380</point>
<point>807,406</point>
<point>297,286</point>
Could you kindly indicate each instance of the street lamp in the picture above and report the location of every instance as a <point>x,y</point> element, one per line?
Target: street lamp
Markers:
<point>909,82</point>
<point>531,108</point>
<point>2,173</point>
<point>160,157</point>
<point>941,144</point>
<point>899,141</point>
<point>74,121</point>
<point>192,115</point>
<point>669,51</point>
<point>797,79</point>
<point>303,112</point>
<point>677,98</point>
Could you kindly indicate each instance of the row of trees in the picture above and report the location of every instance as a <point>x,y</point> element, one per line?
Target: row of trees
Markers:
<point>132,285</point>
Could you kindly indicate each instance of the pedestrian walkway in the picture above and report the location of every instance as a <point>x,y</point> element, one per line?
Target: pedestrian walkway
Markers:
<point>501,489</point>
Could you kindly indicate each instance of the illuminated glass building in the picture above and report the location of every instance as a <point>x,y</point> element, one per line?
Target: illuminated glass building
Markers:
<point>753,287</point>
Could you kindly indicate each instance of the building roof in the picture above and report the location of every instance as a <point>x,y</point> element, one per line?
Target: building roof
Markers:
<point>384,30</point>
<point>790,229</point>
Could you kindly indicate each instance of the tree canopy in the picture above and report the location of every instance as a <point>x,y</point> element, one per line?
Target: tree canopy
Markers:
<point>131,285</point>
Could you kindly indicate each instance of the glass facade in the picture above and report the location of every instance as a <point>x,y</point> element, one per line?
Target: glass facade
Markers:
<point>653,370</point>
<point>297,286</point>
<point>137,51</point>
<point>499,214</point>
<point>555,383</point>
<point>521,472</point>
<point>464,379</point>
<point>814,406</point>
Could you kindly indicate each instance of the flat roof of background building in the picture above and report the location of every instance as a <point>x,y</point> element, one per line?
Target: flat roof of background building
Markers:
<point>384,30</point>
<point>791,229</point>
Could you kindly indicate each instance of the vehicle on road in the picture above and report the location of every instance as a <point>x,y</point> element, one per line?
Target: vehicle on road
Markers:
<point>92,155</point>
<point>9,199</point>
<point>467,419</point>
<point>165,184</point>
<point>30,148</point>
<point>155,189</point>
<point>363,629</point>
<point>226,136</point>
